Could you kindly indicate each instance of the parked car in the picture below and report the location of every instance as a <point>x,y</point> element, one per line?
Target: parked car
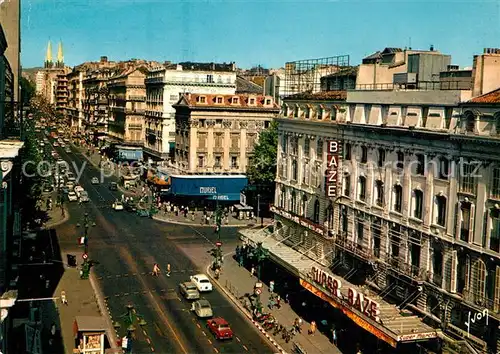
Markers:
<point>202,308</point>
<point>78,189</point>
<point>70,176</point>
<point>220,328</point>
<point>95,180</point>
<point>68,150</point>
<point>72,196</point>
<point>130,206</point>
<point>202,282</point>
<point>113,186</point>
<point>189,291</point>
<point>117,206</point>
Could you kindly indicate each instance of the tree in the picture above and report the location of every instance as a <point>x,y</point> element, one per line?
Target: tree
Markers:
<point>28,90</point>
<point>262,169</point>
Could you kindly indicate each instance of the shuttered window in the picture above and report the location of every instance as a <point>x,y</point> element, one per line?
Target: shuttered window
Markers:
<point>480,278</point>
<point>453,280</point>
<point>497,290</point>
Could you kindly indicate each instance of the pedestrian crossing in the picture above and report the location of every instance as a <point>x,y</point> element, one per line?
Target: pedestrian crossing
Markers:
<point>125,275</point>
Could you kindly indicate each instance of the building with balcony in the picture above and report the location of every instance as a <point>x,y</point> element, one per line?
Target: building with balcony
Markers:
<point>127,103</point>
<point>217,133</point>
<point>165,84</point>
<point>74,108</point>
<point>393,194</point>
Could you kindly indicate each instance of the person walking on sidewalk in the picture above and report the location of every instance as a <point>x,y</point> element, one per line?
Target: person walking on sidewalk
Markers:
<point>156,270</point>
<point>312,328</point>
<point>168,270</point>
<point>64,300</point>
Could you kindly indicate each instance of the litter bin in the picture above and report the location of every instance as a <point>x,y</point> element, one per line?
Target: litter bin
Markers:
<point>71,260</point>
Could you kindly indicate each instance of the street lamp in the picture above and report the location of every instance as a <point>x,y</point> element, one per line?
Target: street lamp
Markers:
<point>87,224</point>
<point>260,254</point>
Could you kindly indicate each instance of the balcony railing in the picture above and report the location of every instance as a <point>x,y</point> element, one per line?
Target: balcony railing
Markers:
<point>422,85</point>
<point>400,266</point>
<point>134,111</point>
<point>481,301</point>
<point>136,98</point>
<point>353,247</point>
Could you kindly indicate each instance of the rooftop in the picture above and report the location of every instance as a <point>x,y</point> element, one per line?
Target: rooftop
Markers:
<point>228,101</point>
<point>492,97</point>
<point>246,86</point>
<point>9,149</point>
<point>323,95</point>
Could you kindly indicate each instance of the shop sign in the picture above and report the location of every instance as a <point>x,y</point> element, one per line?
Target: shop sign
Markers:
<point>208,190</point>
<point>299,220</point>
<point>333,156</point>
<point>355,299</point>
<point>417,336</point>
<point>478,316</point>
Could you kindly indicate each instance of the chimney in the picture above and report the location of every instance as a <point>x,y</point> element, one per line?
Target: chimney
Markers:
<point>432,48</point>
<point>104,59</point>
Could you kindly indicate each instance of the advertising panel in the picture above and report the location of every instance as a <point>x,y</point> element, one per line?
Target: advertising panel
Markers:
<point>333,161</point>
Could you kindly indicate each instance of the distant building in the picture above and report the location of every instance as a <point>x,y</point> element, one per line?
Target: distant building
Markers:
<point>51,81</point>
<point>216,133</point>
<point>165,84</point>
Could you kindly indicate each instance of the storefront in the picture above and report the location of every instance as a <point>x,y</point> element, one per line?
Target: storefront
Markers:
<point>128,153</point>
<point>208,189</point>
<point>360,305</point>
<point>89,332</point>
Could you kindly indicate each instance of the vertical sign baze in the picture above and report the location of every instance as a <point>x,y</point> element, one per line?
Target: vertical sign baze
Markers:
<point>333,153</point>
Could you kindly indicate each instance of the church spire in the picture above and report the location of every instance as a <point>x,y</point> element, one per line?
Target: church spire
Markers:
<point>48,55</point>
<point>60,55</point>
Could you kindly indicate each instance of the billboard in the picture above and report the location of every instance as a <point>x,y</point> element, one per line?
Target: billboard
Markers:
<point>333,161</point>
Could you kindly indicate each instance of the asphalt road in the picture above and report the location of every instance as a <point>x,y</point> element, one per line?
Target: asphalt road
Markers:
<point>126,247</point>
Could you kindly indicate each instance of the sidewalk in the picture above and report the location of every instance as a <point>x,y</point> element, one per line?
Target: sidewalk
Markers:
<point>237,281</point>
<point>180,219</point>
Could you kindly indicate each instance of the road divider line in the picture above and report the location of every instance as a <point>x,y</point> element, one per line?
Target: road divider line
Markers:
<point>148,340</point>
<point>197,325</point>
<point>204,333</point>
<point>215,349</point>
<point>152,349</point>
<point>244,346</point>
<point>239,340</point>
<point>209,341</point>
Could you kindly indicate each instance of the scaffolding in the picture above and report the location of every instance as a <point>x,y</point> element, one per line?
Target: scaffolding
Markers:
<point>304,76</point>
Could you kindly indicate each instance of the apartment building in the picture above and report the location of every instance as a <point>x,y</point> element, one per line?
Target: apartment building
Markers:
<point>216,133</point>
<point>165,84</point>
<point>127,103</point>
<point>391,193</point>
<point>74,107</point>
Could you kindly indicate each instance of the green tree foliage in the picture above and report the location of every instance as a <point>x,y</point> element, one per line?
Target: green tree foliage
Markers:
<point>28,90</point>
<point>262,169</point>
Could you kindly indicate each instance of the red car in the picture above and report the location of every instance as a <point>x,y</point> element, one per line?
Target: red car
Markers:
<point>220,328</point>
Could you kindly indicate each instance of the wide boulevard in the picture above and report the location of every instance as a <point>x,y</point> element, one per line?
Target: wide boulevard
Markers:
<point>126,247</point>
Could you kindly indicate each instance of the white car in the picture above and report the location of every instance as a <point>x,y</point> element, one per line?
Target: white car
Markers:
<point>117,206</point>
<point>55,144</point>
<point>202,308</point>
<point>84,197</point>
<point>202,282</point>
<point>78,190</point>
<point>72,197</point>
<point>95,180</point>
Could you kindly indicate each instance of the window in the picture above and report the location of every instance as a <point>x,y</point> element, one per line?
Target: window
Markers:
<point>307,147</point>
<point>347,151</point>
<point>364,154</point>
<point>467,178</point>
<point>420,168</point>
<point>329,216</point>
<point>219,100</point>
<point>295,146</point>
<point>381,157</point>
<point>307,113</point>
<point>495,183</point>
<point>235,100</point>
<point>305,174</point>
<point>347,185</point>
<point>470,122</point>
<point>443,168</point>
<point>344,220</point>
<point>268,102</point>
<point>201,161</point>
<point>376,232</point>
<point>401,160</point>
<point>202,99</point>
<point>294,170</point>
<point>234,161</point>
<point>210,79</point>
<point>437,262</point>
<point>495,230</point>
<point>379,193</point>
<point>316,212</point>
<point>480,278</point>
<point>284,144</point>
<point>203,123</point>
<point>398,198</point>
<point>320,113</point>
<point>440,210</point>
<point>218,140</point>
<point>282,198</point>
<point>418,200</point>
<point>319,149</point>
<point>360,232</point>
<point>296,112</point>
<point>304,206</point>
<point>293,203</point>
<point>465,224</point>
<point>252,101</point>
<point>218,161</point>
<point>362,188</point>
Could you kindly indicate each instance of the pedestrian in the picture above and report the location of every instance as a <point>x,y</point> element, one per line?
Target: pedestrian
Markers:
<point>64,300</point>
<point>312,328</point>
<point>192,215</point>
<point>271,286</point>
<point>252,271</point>
<point>278,302</point>
<point>334,336</point>
<point>168,270</point>
<point>156,270</point>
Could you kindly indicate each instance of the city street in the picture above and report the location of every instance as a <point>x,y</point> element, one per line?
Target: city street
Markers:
<point>126,246</point>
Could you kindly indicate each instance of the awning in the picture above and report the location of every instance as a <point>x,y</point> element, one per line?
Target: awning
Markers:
<point>389,325</point>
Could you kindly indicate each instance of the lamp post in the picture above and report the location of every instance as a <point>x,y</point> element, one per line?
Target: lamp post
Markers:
<point>130,317</point>
<point>260,254</point>
<point>87,224</point>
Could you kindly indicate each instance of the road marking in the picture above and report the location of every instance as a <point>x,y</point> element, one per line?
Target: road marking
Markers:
<point>198,325</point>
<point>215,349</point>
<point>239,340</point>
<point>152,349</point>
<point>126,294</point>
<point>117,295</point>
<point>144,332</point>
<point>209,341</point>
<point>178,298</point>
<point>204,333</point>
<point>118,275</point>
<point>148,340</point>
<point>244,346</point>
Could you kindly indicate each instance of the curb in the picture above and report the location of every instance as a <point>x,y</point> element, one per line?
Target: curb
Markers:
<point>245,312</point>
<point>110,331</point>
<point>170,221</point>
<point>60,222</point>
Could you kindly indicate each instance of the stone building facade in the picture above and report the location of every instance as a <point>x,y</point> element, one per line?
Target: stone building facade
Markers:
<point>217,133</point>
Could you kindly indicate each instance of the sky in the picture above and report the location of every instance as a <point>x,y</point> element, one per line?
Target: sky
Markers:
<point>254,32</point>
